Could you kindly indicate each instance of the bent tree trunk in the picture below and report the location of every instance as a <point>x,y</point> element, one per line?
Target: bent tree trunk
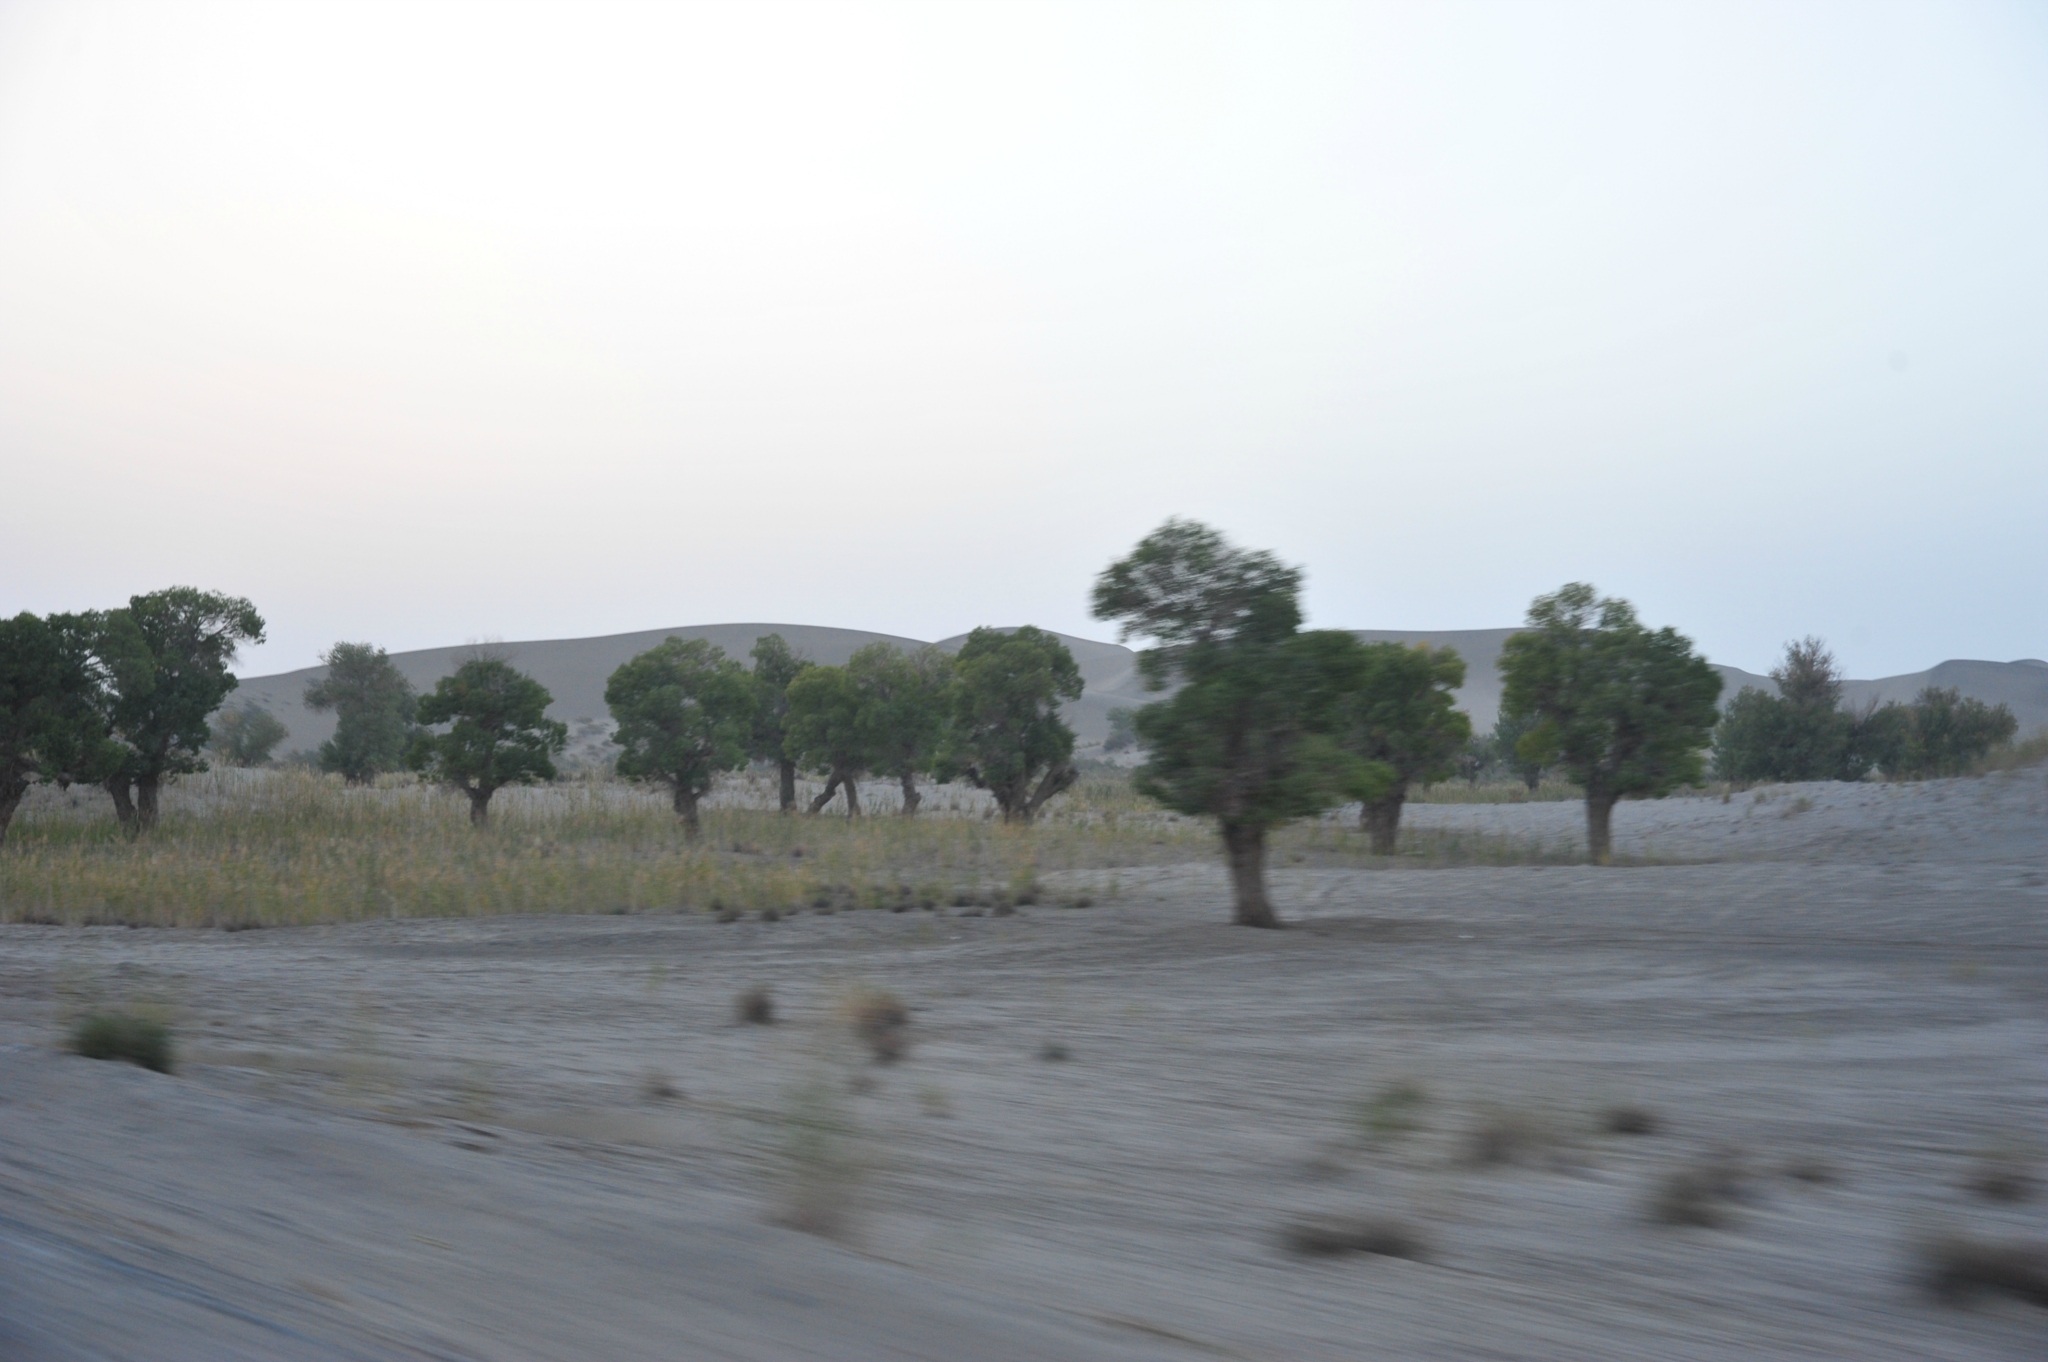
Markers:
<point>1054,781</point>
<point>1381,820</point>
<point>480,804</point>
<point>1600,827</point>
<point>1245,845</point>
<point>911,798</point>
<point>121,788</point>
<point>686,809</point>
<point>787,770</point>
<point>10,800</point>
<point>831,788</point>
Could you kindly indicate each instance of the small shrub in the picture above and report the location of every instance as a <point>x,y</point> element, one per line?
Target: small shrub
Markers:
<point>657,1086</point>
<point>1392,1112</point>
<point>1506,1135</point>
<point>754,1006</point>
<point>1813,1170</point>
<point>818,1163</point>
<point>879,1020</point>
<point>1325,1236</point>
<point>1054,1052</point>
<point>770,913</point>
<point>1629,1119</point>
<point>2001,1177</point>
<point>1955,1267</point>
<point>124,1036</point>
<point>1700,1193</point>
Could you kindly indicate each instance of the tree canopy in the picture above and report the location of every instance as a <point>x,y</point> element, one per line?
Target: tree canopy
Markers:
<point>776,664</point>
<point>685,712</point>
<point>165,661</point>
<point>245,735</point>
<point>1801,733</point>
<point>1004,733</point>
<point>49,727</point>
<point>828,732</point>
<point>1251,738</point>
<point>903,699</point>
<point>1942,733</point>
<point>374,707</point>
<point>497,734</point>
<point>1621,709</point>
<point>1403,714</point>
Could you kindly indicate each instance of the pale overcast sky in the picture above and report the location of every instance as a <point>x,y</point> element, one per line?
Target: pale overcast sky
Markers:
<point>421,324</point>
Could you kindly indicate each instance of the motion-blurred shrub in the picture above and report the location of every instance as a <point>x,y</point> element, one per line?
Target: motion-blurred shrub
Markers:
<point>124,1036</point>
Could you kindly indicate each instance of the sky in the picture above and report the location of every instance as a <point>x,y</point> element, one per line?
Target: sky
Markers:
<point>422,324</point>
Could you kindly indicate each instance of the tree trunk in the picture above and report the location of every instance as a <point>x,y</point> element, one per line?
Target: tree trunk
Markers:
<point>1533,777</point>
<point>1600,827</point>
<point>145,803</point>
<point>788,773</point>
<point>10,800</point>
<point>121,788</point>
<point>686,810</point>
<point>480,806</point>
<point>1054,781</point>
<point>831,788</point>
<point>1245,844</point>
<point>852,798</point>
<point>1381,820</point>
<point>911,798</point>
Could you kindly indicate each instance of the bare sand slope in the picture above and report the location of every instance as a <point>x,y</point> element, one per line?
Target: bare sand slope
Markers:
<point>440,1139</point>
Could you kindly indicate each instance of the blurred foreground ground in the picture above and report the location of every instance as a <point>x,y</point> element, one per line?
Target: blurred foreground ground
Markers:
<point>548,1138</point>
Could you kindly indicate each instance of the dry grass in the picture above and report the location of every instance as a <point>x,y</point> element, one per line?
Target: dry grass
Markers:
<point>245,849</point>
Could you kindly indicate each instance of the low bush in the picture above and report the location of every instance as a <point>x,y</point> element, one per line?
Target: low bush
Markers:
<point>1324,1236</point>
<point>124,1036</point>
<point>880,1021</point>
<point>1956,1267</point>
<point>754,1006</point>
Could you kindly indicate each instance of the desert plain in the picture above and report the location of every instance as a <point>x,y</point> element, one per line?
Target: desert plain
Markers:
<point>552,1137</point>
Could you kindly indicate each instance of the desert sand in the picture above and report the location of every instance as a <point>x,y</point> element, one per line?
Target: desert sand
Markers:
<point>549,1137</point>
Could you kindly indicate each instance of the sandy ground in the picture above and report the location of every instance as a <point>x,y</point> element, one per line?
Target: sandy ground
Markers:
<point>453,1139</point>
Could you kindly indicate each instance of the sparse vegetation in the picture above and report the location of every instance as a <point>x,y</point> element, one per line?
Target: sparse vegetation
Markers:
<point>1508,1135</point>
<point>1957,1267</point>
<point>819,1167</point>
<point>880,1022</point>
<point>755,1006</point>
<point>1701,1192</point>
<point>1392,1112</point>
<point>124,1036</point>
<point>1628,1118</point>
<point>1325,1236</point>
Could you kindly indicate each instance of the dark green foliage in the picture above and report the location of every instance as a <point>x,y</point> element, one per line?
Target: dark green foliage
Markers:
<point>685,713</point>
<point>1251,736</point>
<point>1942,733</point>
<point>903,700</point>
<point>246,736</point>
<point>165,659</point>
<point>1801,733</point>
<point>1508,732</point>
<point>498,732</point>
<point>1624,710</point>
<point>50,728</point>
<point>1403,715</point>
<point>1005,734</point>
<point>826,731</point>
<point>123,1036</point>
<point>775,666</point>
<point>374,707</point>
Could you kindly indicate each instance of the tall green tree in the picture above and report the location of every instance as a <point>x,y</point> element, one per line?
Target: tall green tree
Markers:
<point>1801,733</point>
<point>50,729</point>
<point>373,705</point>
<point>497,733</point>
<point>1942,733</point>
<point>245,735</point>
<point>165,658</point>
<point>776,664</point>
<point>903,697</point>
<point>828,732</point>
<point>1004,733</point>
<point>1251,737</point>
<point>685,712</point>
<point>1404,715</point>
<point>1622,709</point>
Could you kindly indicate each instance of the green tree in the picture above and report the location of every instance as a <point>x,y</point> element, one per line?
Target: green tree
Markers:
<point>245,736</point>
<point>165,658</point>
<point>1942,733</point>
<point>1508,732</point>
<point>1250,737</point>
<point>50,729</point>
<point>775,666</point>
<point>498,732</point>
<point>1404,715</point>
<point>1004,733</point>
<point>828,732</point>
<point>374,707</point>
<point>685,712</point>
<point>1622,709</point>
<point>1801,733</point>
<point>903,703</point>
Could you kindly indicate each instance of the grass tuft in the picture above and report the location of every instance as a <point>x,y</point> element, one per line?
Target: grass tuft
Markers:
<point>880,1021</point>
<point>754,1006</point>
<point>1629,1119</point>
<point>124,1036</point>
<point>1701,1193</point>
